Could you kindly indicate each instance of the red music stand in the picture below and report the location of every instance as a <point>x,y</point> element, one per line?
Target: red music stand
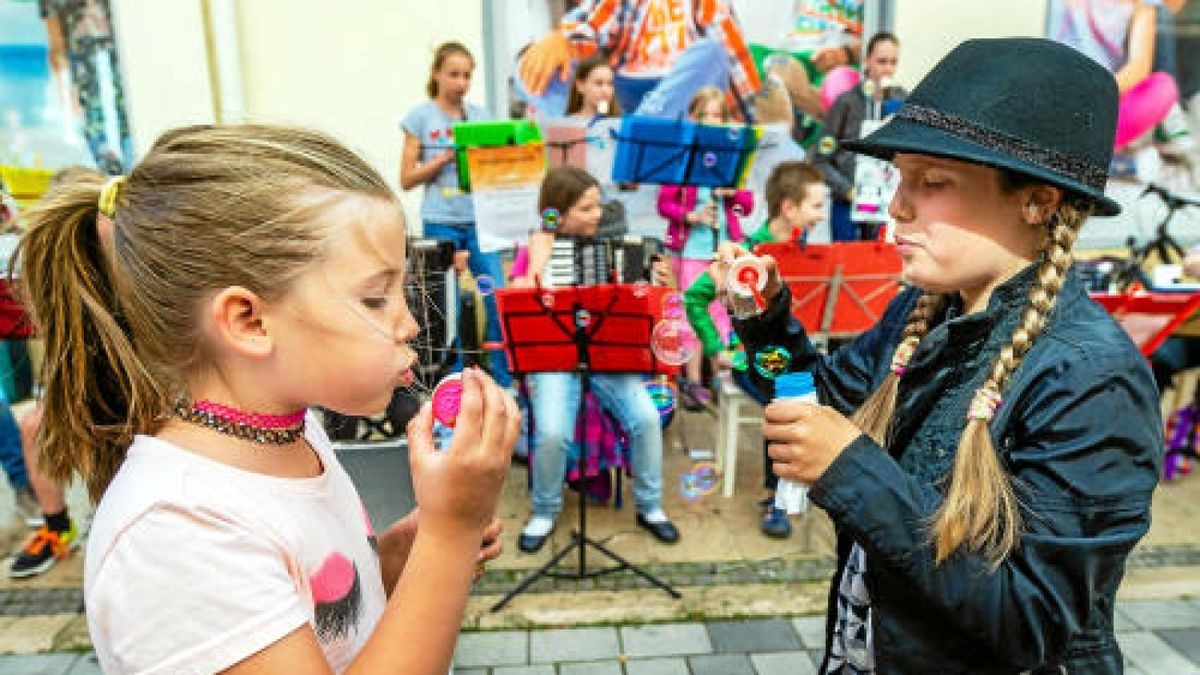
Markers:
<point>582,329</point>
<point>840,289</point>
<point>15,323</point>
<point>1149,317</point>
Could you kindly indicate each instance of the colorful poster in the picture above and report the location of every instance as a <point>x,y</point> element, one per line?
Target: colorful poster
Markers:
<point>61,100</point>
<point>504,186</point>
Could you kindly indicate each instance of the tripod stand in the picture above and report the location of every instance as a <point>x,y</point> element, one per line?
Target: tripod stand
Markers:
<point>582,339</point>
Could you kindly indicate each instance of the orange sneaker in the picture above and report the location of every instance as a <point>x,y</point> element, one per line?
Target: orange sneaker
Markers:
<point>43,549</point>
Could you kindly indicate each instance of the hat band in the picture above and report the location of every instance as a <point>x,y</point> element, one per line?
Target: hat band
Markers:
<point>1080,170</point>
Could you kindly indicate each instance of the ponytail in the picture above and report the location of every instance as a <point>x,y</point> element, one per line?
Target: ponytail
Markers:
<point>98,394</point>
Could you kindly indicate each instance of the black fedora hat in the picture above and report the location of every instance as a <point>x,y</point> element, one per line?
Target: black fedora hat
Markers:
<point>1030,105</point>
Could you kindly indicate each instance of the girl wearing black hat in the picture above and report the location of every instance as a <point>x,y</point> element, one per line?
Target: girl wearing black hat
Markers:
<point>988,451</point>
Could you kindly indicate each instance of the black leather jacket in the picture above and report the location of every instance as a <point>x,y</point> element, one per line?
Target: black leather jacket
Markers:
<point>1079,430</point>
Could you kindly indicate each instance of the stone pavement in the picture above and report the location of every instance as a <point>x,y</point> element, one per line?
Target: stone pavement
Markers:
<point>1158,637</point>
<point>750,604</point>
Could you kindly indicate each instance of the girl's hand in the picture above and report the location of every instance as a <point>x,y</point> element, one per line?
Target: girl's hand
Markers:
<point>727,253</point>
<point>804,438</point>
<point>706,215</point>
<point>660,273</point>
<point>446,157</point>
<point>526,281</point>
<point>458,489</point>
<point>491,547</point>
<point>725,192</point>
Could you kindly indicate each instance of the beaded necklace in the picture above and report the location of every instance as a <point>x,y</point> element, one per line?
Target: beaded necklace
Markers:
<point>256,427</point>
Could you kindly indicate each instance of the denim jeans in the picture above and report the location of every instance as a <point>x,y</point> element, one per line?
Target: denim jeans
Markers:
<point>555,403</point>
<point>10,447</point>
<point>462,235</point>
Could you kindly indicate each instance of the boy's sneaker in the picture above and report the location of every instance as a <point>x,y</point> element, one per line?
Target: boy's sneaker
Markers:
<point>695,395</point>
<point>774,521</point>
<point>27,507</point>
<point>45,548</point>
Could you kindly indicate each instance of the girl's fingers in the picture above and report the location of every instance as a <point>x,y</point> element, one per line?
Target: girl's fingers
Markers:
<point>420,431</point>
<point>468,424</point>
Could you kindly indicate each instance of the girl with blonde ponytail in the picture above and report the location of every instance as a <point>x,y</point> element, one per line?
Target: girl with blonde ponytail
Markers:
<point>192,312</point>
<point>988,451</point>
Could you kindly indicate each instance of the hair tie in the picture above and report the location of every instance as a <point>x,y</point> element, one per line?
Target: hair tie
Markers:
<point>108,196</point>
<point>903,354</point>
<point>984,405</point>
<point>550,219</point>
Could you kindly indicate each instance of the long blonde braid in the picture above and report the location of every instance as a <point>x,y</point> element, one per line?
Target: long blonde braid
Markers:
<point>981,509</point>
<point>874,416</point>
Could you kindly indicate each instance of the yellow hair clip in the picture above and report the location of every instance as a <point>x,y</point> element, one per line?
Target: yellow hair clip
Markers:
<point>108,196</point>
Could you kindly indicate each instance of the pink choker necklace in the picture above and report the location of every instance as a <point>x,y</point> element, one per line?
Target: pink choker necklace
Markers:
<point>257,427</point>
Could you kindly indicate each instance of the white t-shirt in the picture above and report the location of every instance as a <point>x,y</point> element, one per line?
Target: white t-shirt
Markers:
<point>193,565</point>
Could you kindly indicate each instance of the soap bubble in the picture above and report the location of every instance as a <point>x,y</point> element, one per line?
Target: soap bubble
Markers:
<point>701,481</point>
<point>663,395</point>
<point>673,307</point>
<point>485,285</point>
<point>641,288</point>
<point>673,342</point>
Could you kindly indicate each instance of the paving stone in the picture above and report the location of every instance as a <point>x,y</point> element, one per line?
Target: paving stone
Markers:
<point>1122,623</point>
<point>671,639</point>
<point>772,635</point>
<point>675,666</point>
<point>721,664</point>
<point>87,664</point>
<point>470,671</point>
<point>573,644</point>
<point>37,664</point>
<point>811,630</point>
<point>503,648</point>
<point>1147,651</point>
<point>1156,614</point>
<point>817,657</point>
<point>1186,641</point>
<point>540,669</point>
<point>31,634</point>
<point>783,663</point>
<point>591,668</point>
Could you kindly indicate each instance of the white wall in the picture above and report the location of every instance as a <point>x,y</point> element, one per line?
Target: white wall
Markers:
<point>164,64</point>
<point>928,29</point>
<point>351,69</point>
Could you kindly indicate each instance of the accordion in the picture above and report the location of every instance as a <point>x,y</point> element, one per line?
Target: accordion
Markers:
<point>578,261</point>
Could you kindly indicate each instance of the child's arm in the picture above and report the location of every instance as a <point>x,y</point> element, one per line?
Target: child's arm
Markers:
<point>670,203</point>
<point>696,300</point>
<point>412,171</point>
<point>541,248</point>
<point>457,490</point>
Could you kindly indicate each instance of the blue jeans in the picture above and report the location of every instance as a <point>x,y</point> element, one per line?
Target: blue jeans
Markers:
<point>462,235</point>
<point>555,403</point>
<point>10,447</point>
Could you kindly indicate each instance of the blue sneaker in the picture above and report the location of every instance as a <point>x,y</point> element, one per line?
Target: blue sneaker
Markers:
<point>774,521</point>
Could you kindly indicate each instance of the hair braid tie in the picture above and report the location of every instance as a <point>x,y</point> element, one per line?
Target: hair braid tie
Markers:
<point>107,204</point>
<point>984,404</point>
<point>903,354</point>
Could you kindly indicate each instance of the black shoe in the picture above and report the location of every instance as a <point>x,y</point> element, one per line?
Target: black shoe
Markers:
<point>529,543</point>
<point>532,543</point>
<point>663,531</point>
